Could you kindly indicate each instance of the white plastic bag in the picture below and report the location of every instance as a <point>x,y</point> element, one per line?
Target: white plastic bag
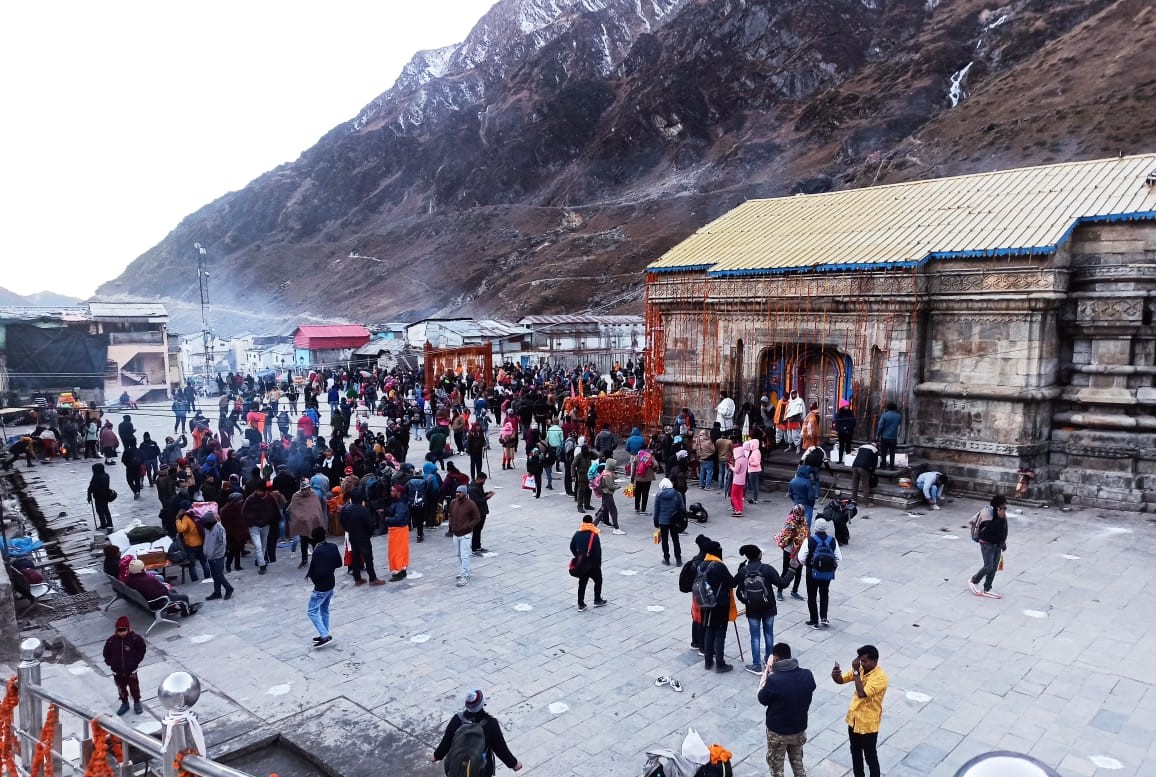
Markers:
<point>694,749</point>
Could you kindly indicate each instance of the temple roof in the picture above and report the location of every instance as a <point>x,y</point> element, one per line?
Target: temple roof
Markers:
<point>1030,210</point>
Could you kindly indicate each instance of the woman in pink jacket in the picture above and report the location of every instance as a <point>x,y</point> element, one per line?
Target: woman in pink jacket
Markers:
<point>754,469</point>
<point>738,469</point>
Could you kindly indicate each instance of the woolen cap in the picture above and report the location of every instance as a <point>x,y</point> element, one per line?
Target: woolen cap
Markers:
<point>123,623</point>
<point>475,701</point>
<point>820,525</point>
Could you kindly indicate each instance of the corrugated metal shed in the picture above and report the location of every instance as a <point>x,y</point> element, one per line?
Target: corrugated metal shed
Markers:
<point>317,338</point>
<point>1027,210</point>
<point>148,310</point>
<point>578,319</point>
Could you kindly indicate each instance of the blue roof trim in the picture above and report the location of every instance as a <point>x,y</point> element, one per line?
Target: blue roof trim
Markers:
<point>1147,215</point>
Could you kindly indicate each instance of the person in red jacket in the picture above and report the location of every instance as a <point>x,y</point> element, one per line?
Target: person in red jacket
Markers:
<point>123,652</point>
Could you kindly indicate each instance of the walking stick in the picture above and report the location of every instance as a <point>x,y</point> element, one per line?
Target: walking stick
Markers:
<point>739,639</point>
<point>95,526</point>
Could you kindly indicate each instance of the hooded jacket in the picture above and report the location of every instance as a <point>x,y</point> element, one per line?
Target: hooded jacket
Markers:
<point>787,696</point>
<point>635,442</point>
<point>124,654</point>
<point>668,504</point>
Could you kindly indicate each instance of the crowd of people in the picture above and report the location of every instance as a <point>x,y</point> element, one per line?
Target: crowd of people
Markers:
<point>263,471</point>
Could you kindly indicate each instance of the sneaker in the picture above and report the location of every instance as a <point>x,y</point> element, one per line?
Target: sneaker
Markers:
<point>194,607</point>
<point>797,595</point>
<point>824,622</point>
<point>262,570</point>
<point>675,685</point>
<point>660,681</point>
<point>696,647</point>
<point>753,669</point>
<point>992,595</point>
<point>935,507</point>
<point>974,588</point>
<point>323,641</point>
<point>137,708</point>
<point>582,608</point>
<point>397,577</point>
<point>477,553</point>
<point>815,626</point>
<point>123,708</point>
<point>618,531</point>
<point>724,668</point>
<point>483,550</point>
<point>600,602</point>
<point>316,640</point>
<point>462,582</point>
<point>212,597</point>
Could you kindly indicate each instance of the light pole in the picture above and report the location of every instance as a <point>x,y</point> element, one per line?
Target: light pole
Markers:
<point>206,334</point>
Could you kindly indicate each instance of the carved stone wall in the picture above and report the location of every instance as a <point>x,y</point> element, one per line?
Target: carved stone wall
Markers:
<point>1046,363</point>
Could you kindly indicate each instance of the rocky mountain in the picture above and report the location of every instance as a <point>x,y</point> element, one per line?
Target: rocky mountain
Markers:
<point>39,299</point>
<point>540,164</point>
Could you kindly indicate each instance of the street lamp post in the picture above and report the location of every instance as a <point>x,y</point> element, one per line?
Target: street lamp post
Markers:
<point>206,333</point>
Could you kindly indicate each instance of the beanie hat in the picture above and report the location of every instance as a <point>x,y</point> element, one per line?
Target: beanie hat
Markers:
<point>462,490</point>
<point>475,701</point>
<point>820,525</point>
<point>123,623</point>
<point>665,484</point>
<point>135,566</point>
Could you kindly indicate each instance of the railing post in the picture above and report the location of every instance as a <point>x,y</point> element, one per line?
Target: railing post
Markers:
<point>178,693</point>
<point>31,711</point>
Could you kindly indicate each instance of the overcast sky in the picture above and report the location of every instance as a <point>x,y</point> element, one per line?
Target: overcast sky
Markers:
<point>121,118</point>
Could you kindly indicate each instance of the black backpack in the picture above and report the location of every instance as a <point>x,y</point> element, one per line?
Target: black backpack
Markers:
<point>467,755</point>
<point>755,591</point>
<point>705,595</point>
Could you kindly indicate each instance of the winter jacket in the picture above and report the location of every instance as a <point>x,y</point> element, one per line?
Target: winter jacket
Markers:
<point>124,654</point>
<point>754,456</point>
<point>772,581</point>
<point>635,442</point>
<point>357,522</point>
<point>867,457</point>
<point>888,428</point>
<point>325,559</point>
<point>464,516</point>
<point>802,490</point>
<point>148,587</point>
<point>739,466</point>
<point>189,531</point>
<point>667,506</point>
<point>607,481</point>
<point>260,511</point>
<point>787,697</point>
<point>581,541</point>
<point>214,547</point>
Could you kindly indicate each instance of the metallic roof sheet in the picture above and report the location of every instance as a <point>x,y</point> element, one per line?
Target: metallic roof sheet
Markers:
<point>579,318</point>
<point>1026,210</point>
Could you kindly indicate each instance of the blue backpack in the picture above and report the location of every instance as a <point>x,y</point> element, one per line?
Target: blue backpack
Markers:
<point>822,558</point>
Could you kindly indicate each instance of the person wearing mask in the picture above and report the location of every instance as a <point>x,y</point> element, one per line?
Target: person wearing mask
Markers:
<point>669,509</point>
<point>819,558</point>
<point>586,563</point>
<point>214,550</point>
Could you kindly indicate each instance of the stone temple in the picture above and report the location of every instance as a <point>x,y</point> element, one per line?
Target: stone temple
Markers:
<point>1008,314</point>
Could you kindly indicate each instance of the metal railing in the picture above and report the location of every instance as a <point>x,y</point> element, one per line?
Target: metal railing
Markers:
<point>178,692</point>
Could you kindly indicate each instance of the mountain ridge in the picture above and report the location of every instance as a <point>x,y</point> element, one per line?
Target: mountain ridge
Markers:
<point>566,141</point>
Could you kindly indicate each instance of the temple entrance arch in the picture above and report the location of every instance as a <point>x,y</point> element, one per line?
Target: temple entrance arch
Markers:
<point>822,375</point>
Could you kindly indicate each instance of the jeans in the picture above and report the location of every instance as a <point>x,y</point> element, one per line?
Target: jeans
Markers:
<point>259,536</point>
<point>596,576</point>
<point>863,747</point>
<point>931,494</point>
<point>197,553</point>
<point>217,572</point>
<point>817,590</point>
<point>991,554</point>
<point>462,547</point>
<point>753,486</point>
<point>706,474</point>
<point>319,611</point>
<point>887,453</point>
<point>549,472</point>
<point>761,627</point>
<point>790,746</point>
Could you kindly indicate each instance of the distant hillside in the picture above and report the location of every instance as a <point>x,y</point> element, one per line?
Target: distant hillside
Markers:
<point>40,298</point>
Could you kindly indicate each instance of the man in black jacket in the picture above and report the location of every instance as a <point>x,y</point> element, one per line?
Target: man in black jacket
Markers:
<point>757,593</point>
<point>495,743</point>
<point>586,548</point>
<point>123,652</point>
<point>862,470</point>
<point>481,497</point>
<point>325,560</point>
<point>358,523</point>
<point>716,618</point>
<point>786,693</point>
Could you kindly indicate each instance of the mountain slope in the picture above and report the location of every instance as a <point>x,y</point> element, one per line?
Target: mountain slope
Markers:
<point>540,164</point>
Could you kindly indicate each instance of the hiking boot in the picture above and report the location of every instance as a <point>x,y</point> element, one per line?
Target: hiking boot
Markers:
<point>123,708</point>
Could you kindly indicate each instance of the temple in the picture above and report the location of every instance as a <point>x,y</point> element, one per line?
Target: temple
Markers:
<point>1008,314</point>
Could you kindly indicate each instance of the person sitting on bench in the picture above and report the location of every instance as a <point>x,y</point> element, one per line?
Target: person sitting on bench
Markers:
<point>154,590</point>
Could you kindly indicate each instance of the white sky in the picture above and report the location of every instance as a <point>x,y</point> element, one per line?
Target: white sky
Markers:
<point>121,118</point>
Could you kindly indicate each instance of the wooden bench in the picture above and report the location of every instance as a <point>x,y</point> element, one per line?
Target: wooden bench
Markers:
<point>134,596</point>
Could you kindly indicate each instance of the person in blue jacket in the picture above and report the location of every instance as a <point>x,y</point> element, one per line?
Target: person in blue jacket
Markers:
<point>888,433</point>
<point>804,491</point>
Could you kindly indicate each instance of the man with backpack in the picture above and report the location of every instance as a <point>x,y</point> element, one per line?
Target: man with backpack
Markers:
<point>712,590</point>
<point>819,558</point>
<point>755,585</point>
<point>471,741</point>
<point>422,494</point>
<point>989,529</point>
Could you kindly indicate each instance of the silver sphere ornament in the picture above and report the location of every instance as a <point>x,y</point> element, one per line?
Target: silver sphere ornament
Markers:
<point>1005,764</point>
<point>179,691</point>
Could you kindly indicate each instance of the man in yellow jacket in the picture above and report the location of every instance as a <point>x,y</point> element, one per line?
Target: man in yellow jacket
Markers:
<point>866,712</point>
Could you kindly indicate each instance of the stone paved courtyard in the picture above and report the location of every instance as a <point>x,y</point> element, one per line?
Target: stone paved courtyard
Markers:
<point>1056,669</point>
